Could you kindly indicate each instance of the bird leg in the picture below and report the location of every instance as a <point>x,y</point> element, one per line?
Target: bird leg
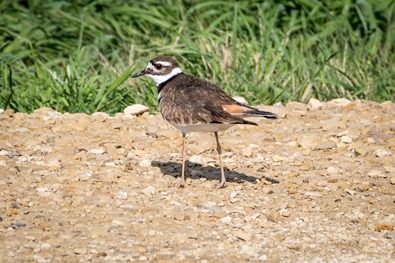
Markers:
<point>219,150</point>
<point>184,152</point>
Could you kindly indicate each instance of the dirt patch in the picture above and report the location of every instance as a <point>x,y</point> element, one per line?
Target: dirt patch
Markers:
<point>316,186</point>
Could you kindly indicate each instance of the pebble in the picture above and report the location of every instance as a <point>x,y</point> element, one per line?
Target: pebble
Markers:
<point>234,194</point>
<point>263,258</point>
<point>309,141</point>
<point>226,220</point>
<point>149,191</point>
<point>363,187</point>
<point>326,145</point>
<point>242,235</point>
<point>381,153</point>
<point>333,170</point>
<point>376,174</point>
<point>122,195</point>
<point>4,153</point>
<point>145,163</point>
<point>42,189</point>
<point>314,104</point>
<point>249,251</point>
<point>97,151</point>
<point>197,159</point>
<point>346,139</point>
<point>116,222</point>
<point>339,102</point>
<point>285,212</point>
<point>136,109</point>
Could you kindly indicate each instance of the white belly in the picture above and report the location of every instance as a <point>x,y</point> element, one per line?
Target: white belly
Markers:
<point>212,127</point>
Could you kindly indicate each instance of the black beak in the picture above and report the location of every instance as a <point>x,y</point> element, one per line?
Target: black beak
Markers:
<point>141,73</point>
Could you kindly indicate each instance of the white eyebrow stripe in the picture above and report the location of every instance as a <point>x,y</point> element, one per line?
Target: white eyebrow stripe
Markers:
<point>164,63</point>
<point>150,66</point>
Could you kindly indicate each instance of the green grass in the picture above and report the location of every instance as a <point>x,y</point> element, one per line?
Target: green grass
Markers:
<point>77,56</point>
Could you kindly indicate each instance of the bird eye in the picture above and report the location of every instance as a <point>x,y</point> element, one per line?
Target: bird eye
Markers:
<point>158,66</point>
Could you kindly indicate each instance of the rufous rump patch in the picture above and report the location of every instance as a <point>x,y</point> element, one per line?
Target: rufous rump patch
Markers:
<point>234,109</point>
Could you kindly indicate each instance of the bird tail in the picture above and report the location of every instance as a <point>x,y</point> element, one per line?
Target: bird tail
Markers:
<point>259,113</point>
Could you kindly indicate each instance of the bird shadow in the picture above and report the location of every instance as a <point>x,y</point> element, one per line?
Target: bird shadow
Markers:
<point>208,172</point>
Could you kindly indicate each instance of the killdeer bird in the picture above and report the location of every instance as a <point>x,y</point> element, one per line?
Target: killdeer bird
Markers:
<point>191,104</point>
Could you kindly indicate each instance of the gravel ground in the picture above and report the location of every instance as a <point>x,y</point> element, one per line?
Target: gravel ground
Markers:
<point>315,186</point>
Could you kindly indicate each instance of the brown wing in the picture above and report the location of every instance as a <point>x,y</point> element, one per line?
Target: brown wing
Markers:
<point>185,87</point>
<point>197,112</point>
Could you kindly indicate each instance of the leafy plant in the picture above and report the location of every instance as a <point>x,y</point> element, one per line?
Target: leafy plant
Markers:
<point>77,56</point>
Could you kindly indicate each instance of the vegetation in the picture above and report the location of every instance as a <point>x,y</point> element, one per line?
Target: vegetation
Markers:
<point>77,56</point>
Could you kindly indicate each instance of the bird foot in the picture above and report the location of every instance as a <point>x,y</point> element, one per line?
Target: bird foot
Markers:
<point>221,185</point>
<point>183,184</point>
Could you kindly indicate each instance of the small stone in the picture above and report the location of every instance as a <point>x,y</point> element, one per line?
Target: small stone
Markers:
<point>233,194</point>
<point>326,145</point>
<point>226,220</point>
<point>279,158</point>
<point>145,163</point>
<point>345,139</point>
<point>242,235</point>
<point>149,191</point>
<point>389,169</point>
<point>273,217</point>
<point>122,195</point>
<point>136,109</point>
<point>116,222</point>
<point>381,153</point>
<point>350,191</point>
<point>377,174</point>
<point>359,148</point>
<point>392,180</point>
<point>285,212</point>
<point>193,235</point>
<point>292,144</point>
<point>234,200</point>
<point>197,159</point>
<point>309,141</point>
<point>100,114</point>
<point>247,152</point>
<point>45,246</point>
<point>389,235</point>
<point>314,104</point>
<point>249,250</point>
<point>333,170</point>
<point>42,189</point>
<point>97,151</point>
<point>4,153</point>
<point>339,102</point>
<point>262,258</point>
<point>363,187</point>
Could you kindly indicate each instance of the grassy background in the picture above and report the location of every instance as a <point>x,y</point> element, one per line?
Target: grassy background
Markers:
<point>77,56</point>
